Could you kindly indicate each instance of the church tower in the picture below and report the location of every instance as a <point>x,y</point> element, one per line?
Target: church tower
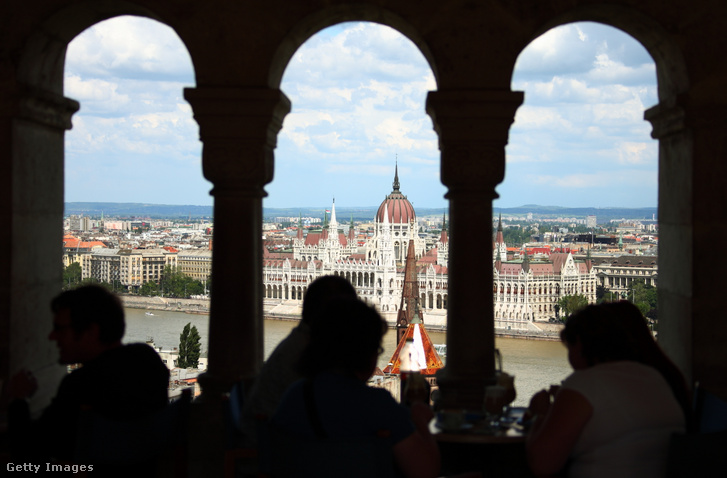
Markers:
<point>500,246</point>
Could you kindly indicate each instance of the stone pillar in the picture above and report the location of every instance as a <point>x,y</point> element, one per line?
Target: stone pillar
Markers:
<point>473,128</point>
<point>692,216</point>
<point>32,128</point>
<point>675,232</point>
<point>238,128</point>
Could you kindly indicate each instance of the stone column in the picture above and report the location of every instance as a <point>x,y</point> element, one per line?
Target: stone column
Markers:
<point>238,128</point>
<point>675,232</point>
<point>473,128</point>
<point>32,129</point>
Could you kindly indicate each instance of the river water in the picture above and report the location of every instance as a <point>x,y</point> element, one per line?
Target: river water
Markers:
<point>536,364</point>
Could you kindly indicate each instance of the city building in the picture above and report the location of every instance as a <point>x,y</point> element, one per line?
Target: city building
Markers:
<point>616,273</point>
<point>374,268</point>
<point>195,263</point>
<point>74,248</point>
<point>524,292</point>
<point>472,47</point>
<point>527,291</point>
<point>129,267</point>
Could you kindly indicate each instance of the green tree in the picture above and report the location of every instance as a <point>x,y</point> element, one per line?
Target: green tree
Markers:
<point>176,284</point>
<point>189,345</point>
<point>570,304</point>
<point>516,235</point>
<point>643,296</point>
<point>149,288</point>
<point>71,276</point>
<point>600,293</point>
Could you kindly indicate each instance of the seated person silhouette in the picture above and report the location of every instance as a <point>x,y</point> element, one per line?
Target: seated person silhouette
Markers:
<point>120,382</point>
<point>334,404</point>
<point>634,323</point>
<point>613,416</point>
<point>280,369</point>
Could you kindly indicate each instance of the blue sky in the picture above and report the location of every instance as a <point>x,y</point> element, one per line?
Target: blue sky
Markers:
<point>358,93</point>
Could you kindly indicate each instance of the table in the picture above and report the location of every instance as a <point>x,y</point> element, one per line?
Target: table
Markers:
<point>499,453</point>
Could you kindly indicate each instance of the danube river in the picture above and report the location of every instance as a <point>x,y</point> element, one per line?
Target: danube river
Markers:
<point>535,363</point>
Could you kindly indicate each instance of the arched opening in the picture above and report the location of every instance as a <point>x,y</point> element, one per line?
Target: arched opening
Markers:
<point>674,157</point>
<point>357,92</point>
<point>579,139</point>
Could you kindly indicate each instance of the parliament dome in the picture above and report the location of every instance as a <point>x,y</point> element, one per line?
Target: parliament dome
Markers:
<point>400,209</point>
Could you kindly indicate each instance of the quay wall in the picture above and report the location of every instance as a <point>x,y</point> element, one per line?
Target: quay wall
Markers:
<point>275,310</point>
<point>194,306</point>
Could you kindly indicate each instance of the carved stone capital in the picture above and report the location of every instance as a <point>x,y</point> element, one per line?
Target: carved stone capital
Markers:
<point>473,128</point>
<point>238,128</point>
<point>47,108</point>
<point>666,120</point>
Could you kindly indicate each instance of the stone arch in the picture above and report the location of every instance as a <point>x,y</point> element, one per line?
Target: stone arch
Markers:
<point>333,15</point>
<point>669,120</point>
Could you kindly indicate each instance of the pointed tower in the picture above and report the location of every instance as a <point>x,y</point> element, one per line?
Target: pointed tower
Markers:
<point>409,295</point>
<point>299,234</point>
<point>500,246</point>
<point>402,219</point>
<point>332,240</point>
<point>443,244</point>
<point>526,261</point>
<point>443,236</point>
<point>324,228</point>
<point>589,260</point>
<point>334,223</point>
<point>386,244</point>
<point>351,233</point>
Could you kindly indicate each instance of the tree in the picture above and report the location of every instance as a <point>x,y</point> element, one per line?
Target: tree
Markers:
<point>149,288</point>
<point>189,345</point>
<point>71,276</point>
<point>571,304</point>
<point>643,296</point>
<point>177,284</point>
<point>600,293</point>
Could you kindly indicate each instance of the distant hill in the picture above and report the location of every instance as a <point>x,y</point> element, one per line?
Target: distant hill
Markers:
<point>136,210</point>
<point>603,214</point>
<point>343,214</point>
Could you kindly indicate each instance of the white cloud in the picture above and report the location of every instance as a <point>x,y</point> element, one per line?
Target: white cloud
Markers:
<point>358,93</point>
<point>130,47</point>
<point>636,153</point>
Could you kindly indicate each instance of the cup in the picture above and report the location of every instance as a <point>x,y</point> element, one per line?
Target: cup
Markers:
<point>495,400</point>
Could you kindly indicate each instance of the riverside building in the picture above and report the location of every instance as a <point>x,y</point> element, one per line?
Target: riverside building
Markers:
<point>472,48</point>
<point>524,292</point>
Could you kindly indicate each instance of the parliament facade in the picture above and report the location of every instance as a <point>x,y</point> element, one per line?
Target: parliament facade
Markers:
<point>241,49</point>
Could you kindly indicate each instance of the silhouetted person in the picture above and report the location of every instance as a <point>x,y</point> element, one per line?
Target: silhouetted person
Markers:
<point>120,382</point>
<point>613,416</point>
<point>634,323</point>
<point>334,403</point>
<point>281,368</point>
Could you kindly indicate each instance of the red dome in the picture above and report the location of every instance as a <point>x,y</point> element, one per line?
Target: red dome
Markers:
<point>400,209</point>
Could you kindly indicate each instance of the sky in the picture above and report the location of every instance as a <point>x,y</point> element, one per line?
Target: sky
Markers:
<point>358,92</point>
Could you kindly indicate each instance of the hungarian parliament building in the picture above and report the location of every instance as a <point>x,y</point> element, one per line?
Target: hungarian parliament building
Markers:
<point>525,290</point>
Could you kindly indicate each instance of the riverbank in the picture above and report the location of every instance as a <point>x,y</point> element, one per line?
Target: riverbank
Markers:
<point>189,306</point>
<point>291,311</point>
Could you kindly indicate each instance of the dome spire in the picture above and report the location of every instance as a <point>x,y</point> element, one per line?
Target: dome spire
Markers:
<point>396,176</point>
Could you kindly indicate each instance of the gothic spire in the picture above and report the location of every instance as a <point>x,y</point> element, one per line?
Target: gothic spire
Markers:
<point>526,260</point>
<point>396,177</point>
<point>334,222</point>
<point>499,238</point>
